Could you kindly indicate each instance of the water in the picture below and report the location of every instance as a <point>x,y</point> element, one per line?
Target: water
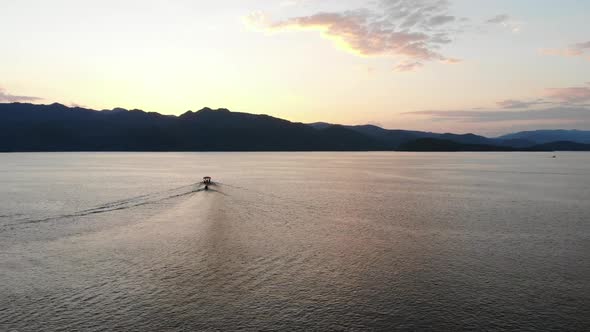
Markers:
<point>310,241</point>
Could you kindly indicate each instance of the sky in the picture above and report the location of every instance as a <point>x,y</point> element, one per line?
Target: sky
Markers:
<point>488,67</point>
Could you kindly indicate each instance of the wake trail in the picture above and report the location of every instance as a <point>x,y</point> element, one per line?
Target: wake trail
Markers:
<point>118,205</point>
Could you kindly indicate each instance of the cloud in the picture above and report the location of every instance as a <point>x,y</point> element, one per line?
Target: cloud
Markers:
<point>506,21</point>
<point>498,19</point>
<point>451,61</point>
<point>558,114</point>
<point>441,19</point>
<point>559,97</point>
<point>413,30</point>
<point>558,106</point>
<point>408,66</point>
<point>579,49</point>
<point>516,104</point>
<point>10,98</point>
<point>570,95</point>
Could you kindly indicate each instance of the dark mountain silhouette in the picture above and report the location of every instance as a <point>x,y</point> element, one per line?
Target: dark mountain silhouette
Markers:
<point>55,127</point>
<point>28,127</point>
<point>391,137</point>
<point>515,143</point>
<point>445,145</point>
<point>547,136</point>
<point>562,146</point>
<point>395,138</point>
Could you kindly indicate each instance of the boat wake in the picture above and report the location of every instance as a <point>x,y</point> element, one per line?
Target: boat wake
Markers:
<point>123,204</point>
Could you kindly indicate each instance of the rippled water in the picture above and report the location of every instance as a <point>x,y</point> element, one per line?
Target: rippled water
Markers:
<point>324,241</point>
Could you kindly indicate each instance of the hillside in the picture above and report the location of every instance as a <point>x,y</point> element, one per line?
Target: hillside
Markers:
<point>55,127</point>
<point>395,138</point>
<point>28,127</point>
<point>445,145</point>
<point>547,136</point>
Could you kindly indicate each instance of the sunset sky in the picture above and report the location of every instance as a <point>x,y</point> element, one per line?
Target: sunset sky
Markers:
<point>488,67</point>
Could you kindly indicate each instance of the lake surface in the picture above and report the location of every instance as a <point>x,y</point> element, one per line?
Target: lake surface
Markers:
<point>322,241</point>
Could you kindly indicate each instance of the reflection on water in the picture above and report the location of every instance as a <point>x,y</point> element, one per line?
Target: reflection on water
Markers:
<point>328,241</point>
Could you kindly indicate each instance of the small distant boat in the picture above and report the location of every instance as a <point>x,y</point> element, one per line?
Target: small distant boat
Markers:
<point>207,182</point>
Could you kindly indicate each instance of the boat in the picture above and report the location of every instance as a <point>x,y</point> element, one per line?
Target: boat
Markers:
<point>207,182</point>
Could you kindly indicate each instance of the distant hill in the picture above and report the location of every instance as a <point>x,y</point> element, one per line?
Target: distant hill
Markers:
<point>395,138</point>
<point>562,146</point>
<point>55,127</point>
<point>445,145</point>
<point>28,127</point>
<point>547,136</point>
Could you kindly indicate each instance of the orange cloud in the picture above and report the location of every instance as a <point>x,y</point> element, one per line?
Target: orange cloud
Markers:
<point>451,61</point>
<point>570,95</point>
<point>411,30</point>
<point>574,50</point>
<point>561,105</point>
<point>408,66</point>
<point>520,104</point>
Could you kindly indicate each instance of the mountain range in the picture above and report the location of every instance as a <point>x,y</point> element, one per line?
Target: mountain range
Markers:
<point>56,127</point>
